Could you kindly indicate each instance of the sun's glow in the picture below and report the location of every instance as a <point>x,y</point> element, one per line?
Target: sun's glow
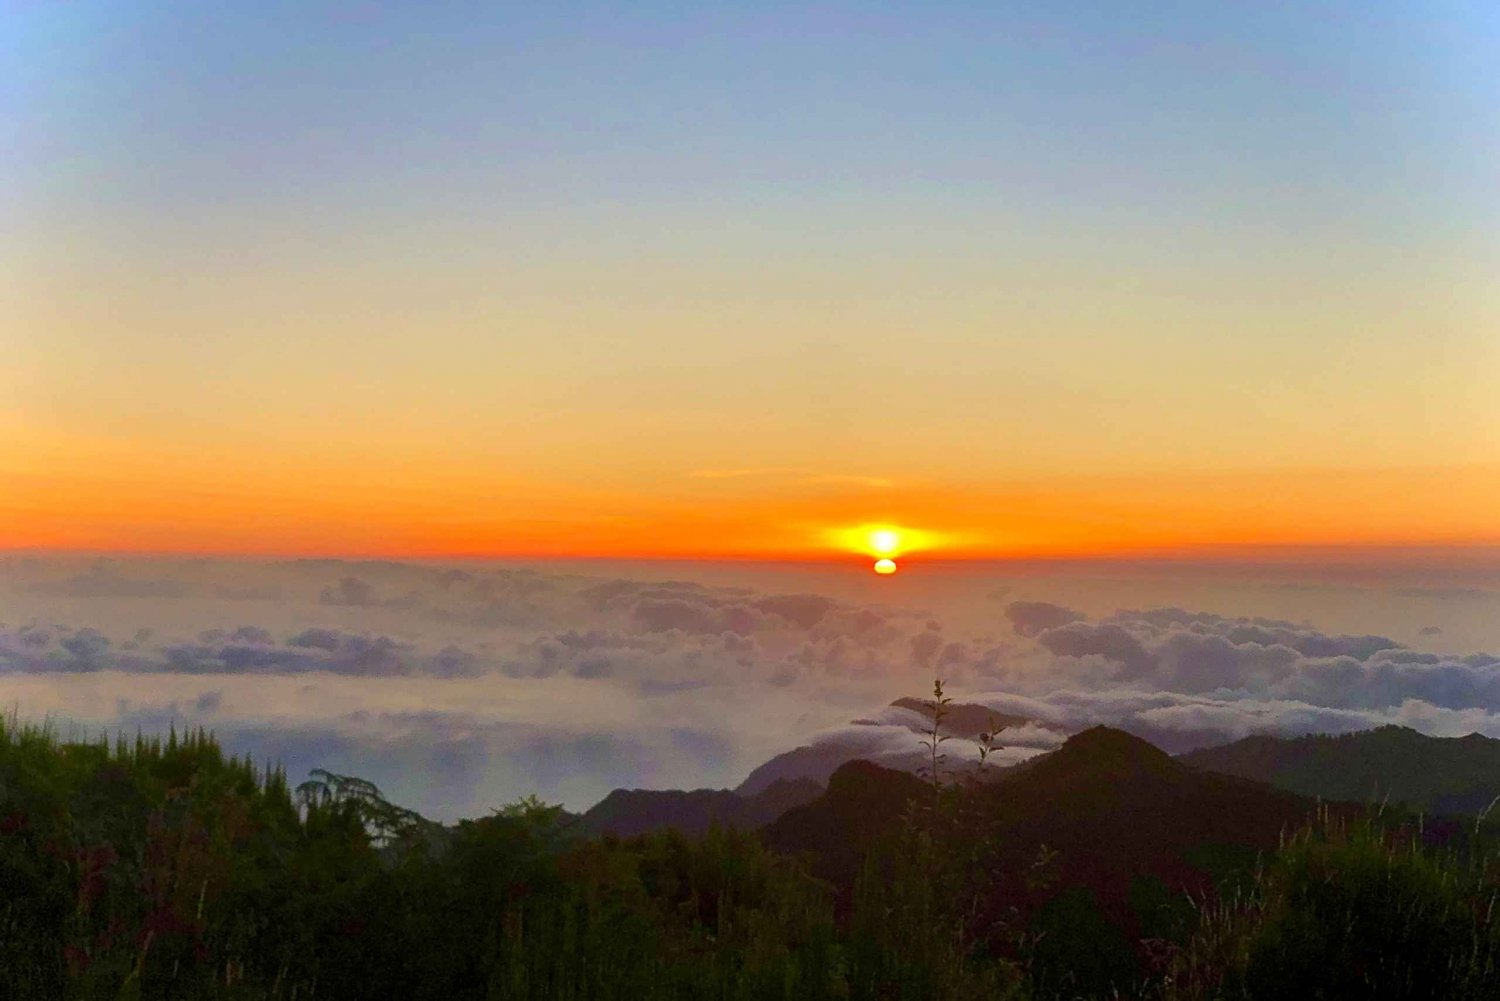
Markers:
<point>883,540</point>
<point>885,566</point>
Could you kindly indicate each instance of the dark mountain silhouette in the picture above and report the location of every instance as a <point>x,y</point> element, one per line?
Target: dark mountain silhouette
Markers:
<point>819,761</point>
<point>787,780</point>
<point>1092,850</point>
<point>1390,763</point>
<point>1115,808</point>
<point>863,802</point>
<point>629,812</point>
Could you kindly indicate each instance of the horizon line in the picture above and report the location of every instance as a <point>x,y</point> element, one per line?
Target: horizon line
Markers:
<point>1193,554</point>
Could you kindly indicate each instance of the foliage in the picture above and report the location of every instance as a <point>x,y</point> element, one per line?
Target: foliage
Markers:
<point>918,929</point>
<point>1351,910</point>
<point>163,868</point>
<point>937,708</point>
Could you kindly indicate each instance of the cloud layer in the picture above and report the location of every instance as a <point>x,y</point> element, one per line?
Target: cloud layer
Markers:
<point>460,687</point>
<point>1187,679</point>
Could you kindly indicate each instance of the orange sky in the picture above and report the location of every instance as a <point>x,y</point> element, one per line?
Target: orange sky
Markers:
<point>122,501</point>
<point>495,283</point>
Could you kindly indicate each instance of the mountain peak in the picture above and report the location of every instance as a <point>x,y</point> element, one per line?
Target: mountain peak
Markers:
<point>1103,750</point>
<point>1397,730</point>
<point>857,779</point>
<point>1108,741</point>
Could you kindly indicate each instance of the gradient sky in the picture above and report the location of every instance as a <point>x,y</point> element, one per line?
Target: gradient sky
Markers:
<point>713,279</point>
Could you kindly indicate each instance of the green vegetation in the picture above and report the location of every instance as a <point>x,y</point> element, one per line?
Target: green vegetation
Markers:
<point>166,869</point>
<point>1350,910</point>
<point>155,869</point>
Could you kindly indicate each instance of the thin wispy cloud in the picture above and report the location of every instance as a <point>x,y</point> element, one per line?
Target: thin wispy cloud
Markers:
<point>800,476</point>
<point>735,474</point>
<point>842,479</point>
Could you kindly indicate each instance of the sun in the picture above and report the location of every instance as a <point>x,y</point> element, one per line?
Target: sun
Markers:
<point>885,541</point>
<point>885,566</point>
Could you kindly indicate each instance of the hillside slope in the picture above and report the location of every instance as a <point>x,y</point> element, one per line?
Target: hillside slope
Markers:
<point>1113,806</point>
<point>1089,852</point>
<point>1390,763</point>
<point>629,812</point>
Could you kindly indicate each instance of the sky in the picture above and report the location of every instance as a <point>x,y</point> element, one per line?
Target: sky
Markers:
<point>720,279</point>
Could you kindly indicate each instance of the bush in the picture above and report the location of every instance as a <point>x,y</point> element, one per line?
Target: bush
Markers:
<point>1351,911</point>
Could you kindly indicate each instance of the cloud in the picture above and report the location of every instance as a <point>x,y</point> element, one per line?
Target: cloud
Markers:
<point>662,614</point>
<point>1186,679</point>
<point>925,646</point>
<point>317,639</point>
<point>805,611</point>
<point>1107,640</point>
<point>252,593</point>
<point>735,474</point>
<point>1446,593</point>
<point>852,480</point>
<point>1030,618</point>
<point>88,647</point>
<point>349,591</point>
<point>800,476</point>
<point>243,650</point>
<point>104,580</point>
<point>31,636</point>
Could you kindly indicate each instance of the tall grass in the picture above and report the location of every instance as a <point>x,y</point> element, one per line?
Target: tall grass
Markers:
<point>1351,908</point>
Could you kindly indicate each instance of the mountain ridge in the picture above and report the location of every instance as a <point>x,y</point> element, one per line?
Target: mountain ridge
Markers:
<point>1444,775</point>
<point>630,812</point>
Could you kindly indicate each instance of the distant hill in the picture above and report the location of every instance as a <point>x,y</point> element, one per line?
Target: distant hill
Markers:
<point>864,802</point>
<point>1394,763</point>
<point>629,812</point>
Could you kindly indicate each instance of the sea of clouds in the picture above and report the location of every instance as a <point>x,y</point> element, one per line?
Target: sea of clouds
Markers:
<point>458,688</point>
